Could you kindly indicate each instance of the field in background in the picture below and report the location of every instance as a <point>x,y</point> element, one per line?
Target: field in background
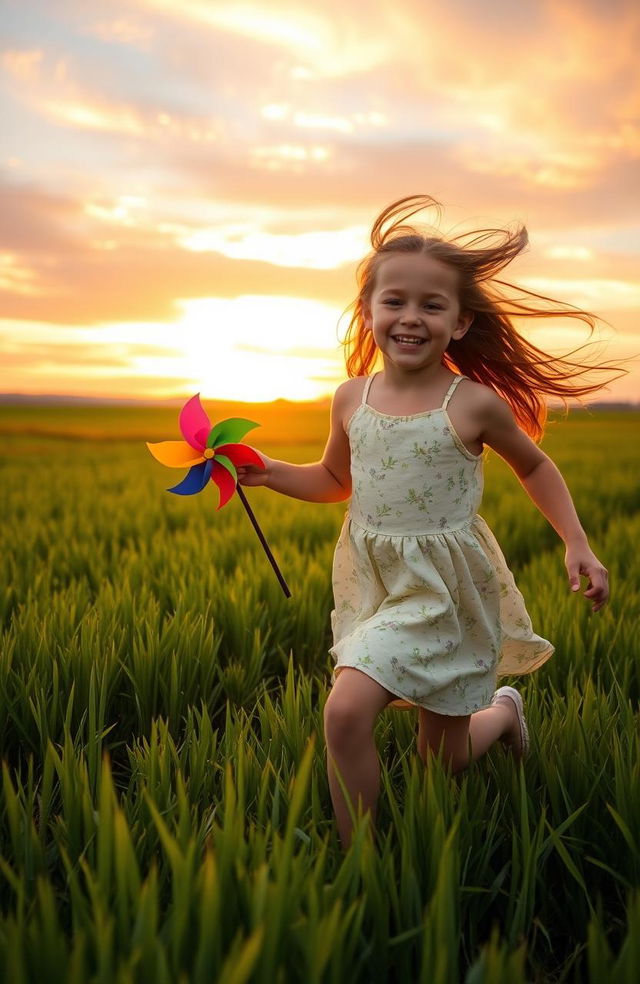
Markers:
<point>281,422</point>
<point>165,812</point>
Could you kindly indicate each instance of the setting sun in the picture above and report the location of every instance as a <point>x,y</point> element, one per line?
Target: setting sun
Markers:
<point>259,348</point>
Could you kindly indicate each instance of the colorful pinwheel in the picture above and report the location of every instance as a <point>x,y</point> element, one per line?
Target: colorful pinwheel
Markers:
<point>213,454</point>
<point>208,450</point>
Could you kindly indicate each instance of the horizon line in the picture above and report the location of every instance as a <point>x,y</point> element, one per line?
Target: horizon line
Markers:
<point>14,399</point>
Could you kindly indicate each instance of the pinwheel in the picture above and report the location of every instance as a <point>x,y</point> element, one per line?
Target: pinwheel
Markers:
<point>213,454</point>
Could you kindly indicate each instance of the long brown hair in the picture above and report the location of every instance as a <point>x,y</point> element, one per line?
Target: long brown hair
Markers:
<point>492,351</point>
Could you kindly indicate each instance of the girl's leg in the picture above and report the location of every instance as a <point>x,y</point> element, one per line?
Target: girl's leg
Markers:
<point>483,728</point>
<point>349,717</point>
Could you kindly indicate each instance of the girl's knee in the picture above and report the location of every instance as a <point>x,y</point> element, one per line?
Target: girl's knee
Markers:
<point>344,720</point>
<point>352,707</point>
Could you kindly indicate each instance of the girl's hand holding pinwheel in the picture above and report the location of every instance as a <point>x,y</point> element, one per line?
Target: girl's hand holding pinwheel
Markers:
<point>253,475</point>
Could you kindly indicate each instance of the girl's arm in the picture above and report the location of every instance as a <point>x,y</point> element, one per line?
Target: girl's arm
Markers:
<point>327,480</point>
<point>547,489</point>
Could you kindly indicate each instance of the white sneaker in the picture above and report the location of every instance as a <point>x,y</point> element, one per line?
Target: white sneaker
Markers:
<point>514,696</point>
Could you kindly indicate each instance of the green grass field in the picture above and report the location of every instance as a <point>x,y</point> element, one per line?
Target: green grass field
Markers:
<point>165,812</point>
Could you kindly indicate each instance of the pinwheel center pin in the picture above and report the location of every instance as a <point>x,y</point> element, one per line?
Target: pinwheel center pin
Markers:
<point>201,444</point>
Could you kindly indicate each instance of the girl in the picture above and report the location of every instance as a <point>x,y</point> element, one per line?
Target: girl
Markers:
<point>427,613</point>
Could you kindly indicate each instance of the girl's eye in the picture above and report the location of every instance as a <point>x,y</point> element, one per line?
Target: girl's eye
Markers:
<point>434,307</point>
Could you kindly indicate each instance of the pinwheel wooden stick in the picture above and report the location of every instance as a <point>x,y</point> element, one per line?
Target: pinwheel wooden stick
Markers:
<point>272,560</point>
<point>213,454</point>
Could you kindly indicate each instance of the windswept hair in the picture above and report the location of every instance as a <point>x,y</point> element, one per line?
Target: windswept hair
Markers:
<point>492,351</point>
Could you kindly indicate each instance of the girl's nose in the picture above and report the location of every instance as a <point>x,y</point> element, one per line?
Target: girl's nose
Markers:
<point>410,316</point>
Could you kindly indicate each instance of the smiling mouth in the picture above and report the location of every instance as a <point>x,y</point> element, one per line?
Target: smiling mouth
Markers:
<point>408,340</point>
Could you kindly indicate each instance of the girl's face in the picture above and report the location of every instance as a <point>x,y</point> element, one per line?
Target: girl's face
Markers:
<point>413,310</point>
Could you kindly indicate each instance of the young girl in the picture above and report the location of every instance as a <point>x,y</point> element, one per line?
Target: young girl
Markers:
<point>427,613</point>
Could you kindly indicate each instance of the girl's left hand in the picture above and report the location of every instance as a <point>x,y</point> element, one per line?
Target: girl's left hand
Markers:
<point>581,560</point>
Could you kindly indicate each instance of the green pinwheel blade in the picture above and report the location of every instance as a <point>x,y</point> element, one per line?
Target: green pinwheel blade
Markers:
<point>227,463</point>
<point>230,431</point>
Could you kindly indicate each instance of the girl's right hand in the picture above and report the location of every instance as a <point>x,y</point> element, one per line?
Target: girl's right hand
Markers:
<point>251,475</point>
<point>581,560</point>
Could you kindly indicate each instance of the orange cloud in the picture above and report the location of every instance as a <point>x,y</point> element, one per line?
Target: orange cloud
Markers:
<point>140,278</point>
<point>23,66</point>
<point>92,116</point>
<point>322,43</point>
<point>15,278</point>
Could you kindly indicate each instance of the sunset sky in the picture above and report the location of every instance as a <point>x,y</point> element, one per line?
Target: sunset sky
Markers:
<point>186,187</point>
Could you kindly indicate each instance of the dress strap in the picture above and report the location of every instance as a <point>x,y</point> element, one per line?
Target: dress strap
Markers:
<point>450,391</point>
<point>367,386</point>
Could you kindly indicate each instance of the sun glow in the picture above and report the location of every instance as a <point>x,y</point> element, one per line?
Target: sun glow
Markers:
<point>288,347</point>
<point>250,348</point>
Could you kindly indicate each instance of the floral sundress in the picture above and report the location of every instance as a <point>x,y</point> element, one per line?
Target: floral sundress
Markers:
<point>425,603</point>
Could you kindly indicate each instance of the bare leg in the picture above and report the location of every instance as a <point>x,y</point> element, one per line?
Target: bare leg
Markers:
<point>349,718</point>
<point>493,723</point>
<point>483,729</point>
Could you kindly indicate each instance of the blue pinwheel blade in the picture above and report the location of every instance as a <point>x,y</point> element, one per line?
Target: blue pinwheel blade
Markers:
<point>195,479</point>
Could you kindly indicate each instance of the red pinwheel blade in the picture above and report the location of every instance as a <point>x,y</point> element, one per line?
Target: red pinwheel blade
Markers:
<point>240,454</point>
<point>225,482</point>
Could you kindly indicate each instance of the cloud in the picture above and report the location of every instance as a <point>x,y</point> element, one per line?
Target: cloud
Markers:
<point>317,250</point>
<point>361,177</point>
<point>588,293</point>
<point>144,278</point>
<point>326,43</point>
<point>24,65</point>
<point>39,357</point>
<point>454,108</point>
<point>86,263</point>
<point>34,357</point>
<point>40,344</point>
<point>124,29</point>
<point>33,219</point>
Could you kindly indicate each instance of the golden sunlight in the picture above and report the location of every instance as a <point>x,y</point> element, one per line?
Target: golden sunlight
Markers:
<point>289,347</point>
<point>312,250</point>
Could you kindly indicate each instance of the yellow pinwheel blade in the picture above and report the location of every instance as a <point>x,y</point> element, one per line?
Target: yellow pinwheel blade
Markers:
<point>175,454</point>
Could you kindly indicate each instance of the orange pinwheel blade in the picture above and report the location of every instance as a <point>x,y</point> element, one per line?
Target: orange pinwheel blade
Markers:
<point>175,454</point>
